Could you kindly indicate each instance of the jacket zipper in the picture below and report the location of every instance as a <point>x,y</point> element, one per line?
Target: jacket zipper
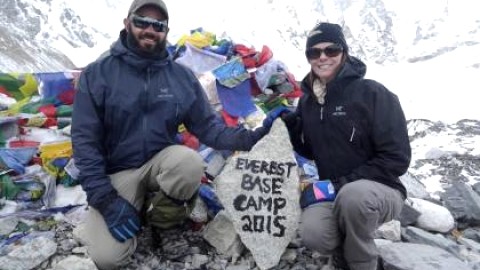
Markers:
<point>327,137</point>
<point>145,111</point>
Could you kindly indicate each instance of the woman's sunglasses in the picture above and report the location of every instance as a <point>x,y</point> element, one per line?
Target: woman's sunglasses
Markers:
<point>330,51</point>
<point>145,22</point>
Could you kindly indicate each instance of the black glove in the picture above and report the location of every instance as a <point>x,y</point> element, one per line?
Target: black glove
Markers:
<point>122,218</point>
<point>339,182</point>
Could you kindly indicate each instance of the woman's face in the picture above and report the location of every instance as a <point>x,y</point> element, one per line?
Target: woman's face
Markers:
<point>325,59</point>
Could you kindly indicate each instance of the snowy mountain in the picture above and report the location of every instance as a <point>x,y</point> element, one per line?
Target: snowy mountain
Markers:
<point>408,45</point>
<point>382,31</point>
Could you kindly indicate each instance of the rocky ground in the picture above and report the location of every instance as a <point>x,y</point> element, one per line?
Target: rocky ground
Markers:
<point>447,154</point>
<point>180,248</point>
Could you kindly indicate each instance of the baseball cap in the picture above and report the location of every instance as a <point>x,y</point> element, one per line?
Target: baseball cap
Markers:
<point>137,4</point>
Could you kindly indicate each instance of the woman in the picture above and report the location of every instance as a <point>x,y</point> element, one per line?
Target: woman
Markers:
<point>355,131</point>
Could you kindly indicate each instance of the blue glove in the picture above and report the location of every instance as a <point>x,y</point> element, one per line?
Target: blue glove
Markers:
<point>121,218</point>
<point>208,195</point>
<point>272,115</point>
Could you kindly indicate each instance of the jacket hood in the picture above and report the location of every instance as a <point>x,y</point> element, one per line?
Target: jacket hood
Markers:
<point>120,49</point>
<point>353,69</point>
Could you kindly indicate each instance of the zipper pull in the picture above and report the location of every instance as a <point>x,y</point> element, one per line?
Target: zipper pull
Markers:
<point>321,113</point>
<point>353,134</point>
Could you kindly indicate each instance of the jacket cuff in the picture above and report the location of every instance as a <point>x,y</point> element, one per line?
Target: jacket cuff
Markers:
<point>102,203</point>
<point>339,182</point>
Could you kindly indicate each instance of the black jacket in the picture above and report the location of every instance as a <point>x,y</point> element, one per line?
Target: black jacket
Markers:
<point>359,132</point>
<point>129,108</point>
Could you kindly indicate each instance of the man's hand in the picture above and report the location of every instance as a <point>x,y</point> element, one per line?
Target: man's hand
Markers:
<point>274,114</point>
<point>121,218</point>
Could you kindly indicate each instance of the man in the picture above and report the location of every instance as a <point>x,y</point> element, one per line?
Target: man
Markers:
<point>355,131</point>
<point>127,111</point>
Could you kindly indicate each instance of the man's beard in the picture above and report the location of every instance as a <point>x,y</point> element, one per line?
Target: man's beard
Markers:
<point>134,43</point>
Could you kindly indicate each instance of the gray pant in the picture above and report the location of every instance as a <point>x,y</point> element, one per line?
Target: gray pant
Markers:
<point>349,223</point>
<point>177,170</point>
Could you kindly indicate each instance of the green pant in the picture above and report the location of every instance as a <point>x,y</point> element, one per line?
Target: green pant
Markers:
<point>349,223</point>
<point>174,173</point>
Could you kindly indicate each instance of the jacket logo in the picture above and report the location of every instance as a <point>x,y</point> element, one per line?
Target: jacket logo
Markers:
<point>339,111</point>
<point>164,93</point>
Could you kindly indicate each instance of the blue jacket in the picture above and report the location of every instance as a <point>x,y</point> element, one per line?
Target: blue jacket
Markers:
<point>128,108</point>
<point>360,132</point>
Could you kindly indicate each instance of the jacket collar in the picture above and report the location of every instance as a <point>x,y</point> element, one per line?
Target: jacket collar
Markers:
<point>352,69</point>
<point>120,49</point>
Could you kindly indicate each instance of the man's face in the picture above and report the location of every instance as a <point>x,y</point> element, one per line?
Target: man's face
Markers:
<point>147,29</point>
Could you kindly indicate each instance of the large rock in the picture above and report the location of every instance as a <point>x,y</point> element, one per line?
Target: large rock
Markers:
<point>405,256</point>
<point>76,263</point>
<point>419,236</point>
<point>389,230</point>
<point>415,188</point>
<point>221,234</point>
<point>433,217</point>
<point>260,191</point>
<point>464,203</point>
<point>409,215</point>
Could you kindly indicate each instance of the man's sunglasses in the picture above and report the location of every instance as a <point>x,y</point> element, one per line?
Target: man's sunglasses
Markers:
<point>330,51</point>
<point>145,22</point>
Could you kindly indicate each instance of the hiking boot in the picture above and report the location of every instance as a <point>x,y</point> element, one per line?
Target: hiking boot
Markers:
<point>380,263</point>
<point>161,235</point>
<point>156,236</point>
<point>165,212</point>
<point>338,261</point>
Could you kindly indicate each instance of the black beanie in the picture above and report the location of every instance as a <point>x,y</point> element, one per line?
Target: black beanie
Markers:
<point>327,32</point>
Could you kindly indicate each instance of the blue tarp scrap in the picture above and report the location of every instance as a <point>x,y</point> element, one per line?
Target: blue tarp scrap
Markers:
<point>17,158</point>
<point>237,101</point>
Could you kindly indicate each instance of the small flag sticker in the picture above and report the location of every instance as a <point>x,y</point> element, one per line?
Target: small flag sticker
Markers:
<point>318,193</point>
